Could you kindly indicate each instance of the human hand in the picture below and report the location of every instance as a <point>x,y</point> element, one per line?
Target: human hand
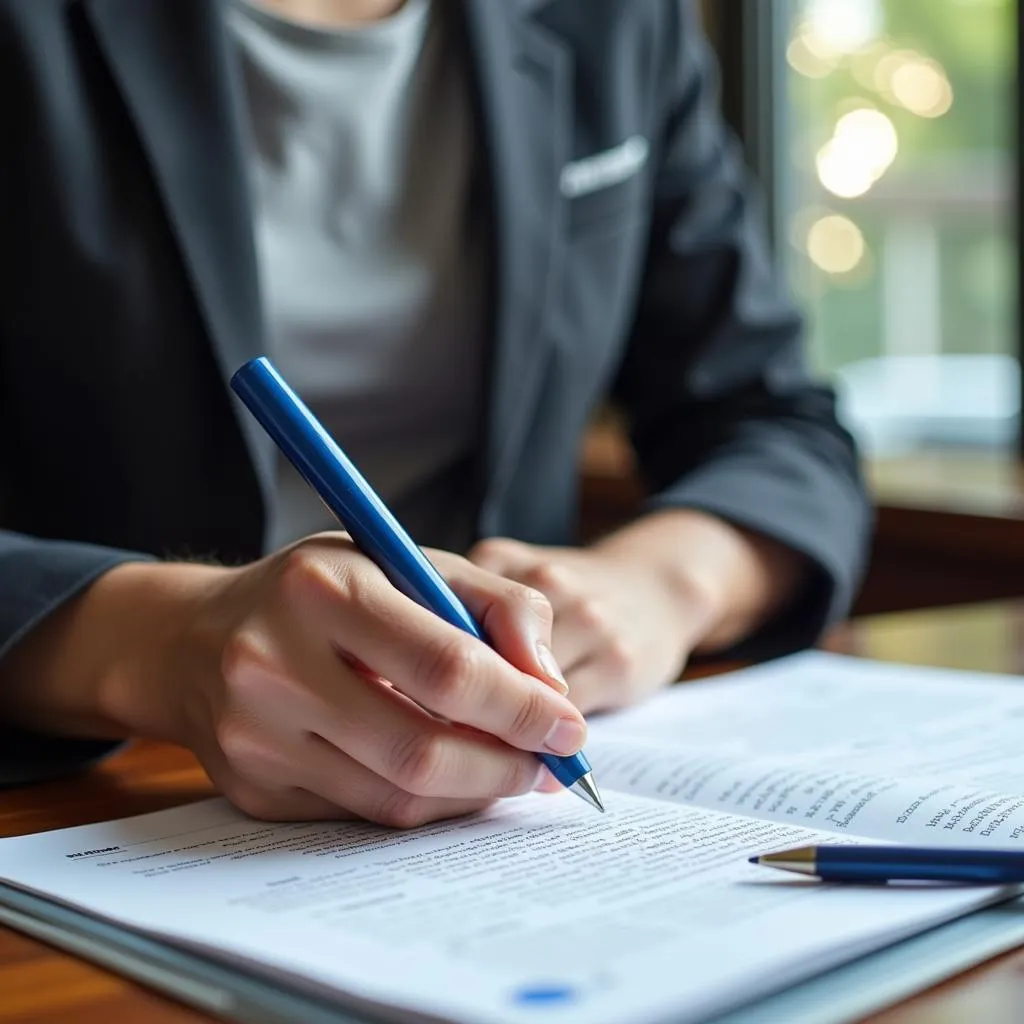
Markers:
<point>621,629</point>
<point>309,687</point>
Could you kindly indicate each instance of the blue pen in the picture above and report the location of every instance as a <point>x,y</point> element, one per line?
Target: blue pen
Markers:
<point>900,863</point>
<point>369,522</point>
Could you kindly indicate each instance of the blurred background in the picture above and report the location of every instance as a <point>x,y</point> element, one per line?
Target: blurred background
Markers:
<point>885,133</point>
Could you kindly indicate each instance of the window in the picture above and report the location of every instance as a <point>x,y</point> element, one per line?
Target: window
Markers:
<point>892,166</point>
<point>896,199</point>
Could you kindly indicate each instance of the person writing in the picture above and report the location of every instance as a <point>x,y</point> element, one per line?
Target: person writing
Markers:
<point>458,228</point>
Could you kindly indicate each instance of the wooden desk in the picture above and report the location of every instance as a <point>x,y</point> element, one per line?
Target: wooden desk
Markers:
<point>43,986</point>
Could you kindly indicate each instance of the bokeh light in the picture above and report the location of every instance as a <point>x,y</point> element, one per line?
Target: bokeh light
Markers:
<point>873,135</point>
<point>842,170</point>
<point>863,146</point>
<point>835,244</point>
<point>915,82</point>
<point>845,26</point>
<point>807,54</point>
<point>923,88</point>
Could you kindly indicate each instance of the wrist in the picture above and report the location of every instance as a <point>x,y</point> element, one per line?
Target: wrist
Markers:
<point>660,548</point>
<point>150,658</point>
<point>728,580</point>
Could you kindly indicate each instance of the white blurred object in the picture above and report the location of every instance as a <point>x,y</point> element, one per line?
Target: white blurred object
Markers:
<point>898,404</point>
<point>846,25</point>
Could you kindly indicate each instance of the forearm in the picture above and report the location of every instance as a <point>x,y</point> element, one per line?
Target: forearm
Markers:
<point>79,672</point>
<point>736,578</point>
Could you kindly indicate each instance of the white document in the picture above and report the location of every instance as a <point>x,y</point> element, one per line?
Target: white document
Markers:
<point>541,909</point>
<point>919,756</point>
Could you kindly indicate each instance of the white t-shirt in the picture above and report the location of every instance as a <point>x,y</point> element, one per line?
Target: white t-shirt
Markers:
<point>371,270</point>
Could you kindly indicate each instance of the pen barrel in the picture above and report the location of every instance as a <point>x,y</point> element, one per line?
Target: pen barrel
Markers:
<point>881,864</point>
<point>568,770</point>
<point>344,490</point>
<point>369,522</point>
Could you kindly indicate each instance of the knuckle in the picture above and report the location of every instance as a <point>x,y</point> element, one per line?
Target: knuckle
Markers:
<point>298,569</point>
<point>420,764</point>
<point>529,716</point>
<point>243,653</point>
<point>447,673</point>
<point>492,551</point>
<point>355,584</point>
<point>555,581</point>
<point>253,801</point>
<point>253,676</point>
<point>401,810</point>
<point>307,575</point>
<point>618,656</point>
<point>592,616</point>
<point>242,748</point>
<point>520,775</point>
<point>533,600</point>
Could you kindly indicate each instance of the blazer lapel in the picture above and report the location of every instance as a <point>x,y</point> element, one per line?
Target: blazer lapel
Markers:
<point>174,69</point>
<point>523,77</point>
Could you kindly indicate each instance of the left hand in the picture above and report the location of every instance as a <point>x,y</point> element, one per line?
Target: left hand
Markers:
<point>621,628</point>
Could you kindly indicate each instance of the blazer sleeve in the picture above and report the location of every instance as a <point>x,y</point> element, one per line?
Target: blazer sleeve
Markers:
<point>36,578</point>
<point>724,413</point>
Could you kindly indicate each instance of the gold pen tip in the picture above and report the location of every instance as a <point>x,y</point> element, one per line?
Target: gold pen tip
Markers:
<point>802,860</point>
<point>801,855</point>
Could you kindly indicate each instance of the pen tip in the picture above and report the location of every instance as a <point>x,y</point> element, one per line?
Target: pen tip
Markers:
<point>586,789</point>
<point>754,860</point>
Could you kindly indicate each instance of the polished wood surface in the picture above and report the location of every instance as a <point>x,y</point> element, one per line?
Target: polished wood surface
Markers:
<point>44,986</point>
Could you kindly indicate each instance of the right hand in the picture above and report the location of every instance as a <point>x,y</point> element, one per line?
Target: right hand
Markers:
<point>309,687</point>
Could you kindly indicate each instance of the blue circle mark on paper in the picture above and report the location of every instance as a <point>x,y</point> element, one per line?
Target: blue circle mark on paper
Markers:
<point>545,995</point>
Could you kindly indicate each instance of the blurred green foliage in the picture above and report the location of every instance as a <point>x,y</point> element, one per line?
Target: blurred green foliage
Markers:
<point>974,41</point>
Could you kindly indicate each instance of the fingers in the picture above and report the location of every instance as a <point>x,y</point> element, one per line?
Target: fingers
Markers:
<point>443,669</point>
<point>504,556</point>
<point>460,679</point>
<point>597,685</point>
<point>399,742</point>
<point>341,780</point>
<point>260,795</point>
<point>575,616</point>
<point>337,785</point>
<point>298,684</point>
<point>333,786</point>
<point>301,775</point>
<point>517,619</point>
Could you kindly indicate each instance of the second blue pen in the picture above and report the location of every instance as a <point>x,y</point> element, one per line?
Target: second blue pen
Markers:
<point>369,522</point>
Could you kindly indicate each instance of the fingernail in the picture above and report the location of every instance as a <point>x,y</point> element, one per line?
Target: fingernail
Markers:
<point>538,782</point>
<point>550,666</point>
<point>565,737</point>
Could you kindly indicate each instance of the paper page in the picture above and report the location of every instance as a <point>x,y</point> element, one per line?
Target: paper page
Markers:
<point>906,754</point>
<point>923,811</point>
<point>538,909</point>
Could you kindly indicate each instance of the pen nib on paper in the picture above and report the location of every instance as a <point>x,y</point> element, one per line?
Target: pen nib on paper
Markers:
<point>586,789</point>
<point>802,861</point>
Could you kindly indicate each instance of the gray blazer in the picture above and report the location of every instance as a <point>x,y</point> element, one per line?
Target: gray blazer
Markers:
<point>628,266</point>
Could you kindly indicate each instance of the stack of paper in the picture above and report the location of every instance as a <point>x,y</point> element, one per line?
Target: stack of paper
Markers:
<point>542,909</point>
